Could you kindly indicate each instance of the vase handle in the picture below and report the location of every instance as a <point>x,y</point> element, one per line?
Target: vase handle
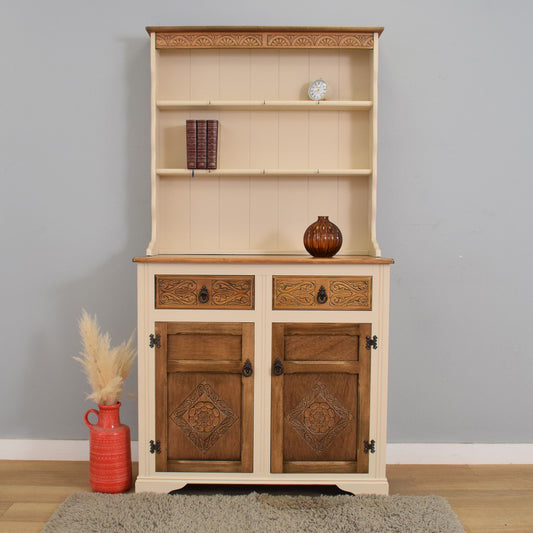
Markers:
<point>86,417</point>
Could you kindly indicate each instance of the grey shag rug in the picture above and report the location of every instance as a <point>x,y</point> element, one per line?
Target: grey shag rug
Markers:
<point>252,513</point>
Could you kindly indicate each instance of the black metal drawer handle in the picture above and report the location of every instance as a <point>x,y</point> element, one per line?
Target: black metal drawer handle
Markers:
<point>203,295</point>
<point>247,369</point>
<point>322,296</point>
<point>277,367</point>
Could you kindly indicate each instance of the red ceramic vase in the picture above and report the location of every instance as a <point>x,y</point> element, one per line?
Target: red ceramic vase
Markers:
<point>323,238</point>
<point>110,450</point>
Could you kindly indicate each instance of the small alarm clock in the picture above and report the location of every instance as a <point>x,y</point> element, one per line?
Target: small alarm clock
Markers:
<point>318,89</point>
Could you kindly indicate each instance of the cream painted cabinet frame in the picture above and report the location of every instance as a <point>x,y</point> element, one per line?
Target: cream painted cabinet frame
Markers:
<point>257,362</point>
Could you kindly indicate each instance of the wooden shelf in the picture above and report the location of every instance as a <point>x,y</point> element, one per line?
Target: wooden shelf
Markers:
<point>267,105</point>
<point>304,172</point>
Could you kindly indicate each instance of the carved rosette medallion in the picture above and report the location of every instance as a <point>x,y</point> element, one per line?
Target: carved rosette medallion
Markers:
<point>258,39</point>
<point>203,417</point>
<point>319,417</point>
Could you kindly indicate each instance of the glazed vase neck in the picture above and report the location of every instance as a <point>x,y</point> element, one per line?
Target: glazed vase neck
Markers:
<point>109,416</point>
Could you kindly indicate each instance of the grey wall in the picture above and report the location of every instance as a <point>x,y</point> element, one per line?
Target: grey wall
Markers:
<point>454,200</point>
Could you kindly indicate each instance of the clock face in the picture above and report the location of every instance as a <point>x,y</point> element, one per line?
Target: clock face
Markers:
<point>317,90</point>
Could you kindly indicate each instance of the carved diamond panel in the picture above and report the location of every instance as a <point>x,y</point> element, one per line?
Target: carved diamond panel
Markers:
<point>203,417</point>
<point>319,417</point>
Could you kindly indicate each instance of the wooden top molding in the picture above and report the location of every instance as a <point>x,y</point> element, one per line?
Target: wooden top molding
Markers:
<point>266,259</point>
<point>263,37</point>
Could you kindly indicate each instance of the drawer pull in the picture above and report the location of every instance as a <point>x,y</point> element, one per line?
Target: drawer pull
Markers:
<point>277,368</point>
<point>322,296</point>
<point>203,295</point>
<point>247,369</point>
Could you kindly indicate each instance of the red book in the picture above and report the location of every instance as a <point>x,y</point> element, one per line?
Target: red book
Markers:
<point>212,143</point>
<point>201,144</point>
<point>190,131</point>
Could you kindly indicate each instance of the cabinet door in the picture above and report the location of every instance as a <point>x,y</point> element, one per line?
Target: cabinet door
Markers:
<point>204,398</point>
<point>320,397</point>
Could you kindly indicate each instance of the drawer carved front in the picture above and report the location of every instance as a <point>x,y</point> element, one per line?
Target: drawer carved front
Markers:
<point>346,293</point>
<point>199,292</point>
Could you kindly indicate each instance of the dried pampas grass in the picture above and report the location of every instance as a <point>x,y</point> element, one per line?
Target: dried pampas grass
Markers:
<point>106,368</point>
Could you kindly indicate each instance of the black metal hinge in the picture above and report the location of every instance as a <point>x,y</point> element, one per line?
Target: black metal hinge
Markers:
<point>155,447</point>
<point>372,342</point>
<point>369,446</point>
<point>155,340</point>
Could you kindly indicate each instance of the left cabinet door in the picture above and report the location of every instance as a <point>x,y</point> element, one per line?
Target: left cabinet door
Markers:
<point>204,396</point>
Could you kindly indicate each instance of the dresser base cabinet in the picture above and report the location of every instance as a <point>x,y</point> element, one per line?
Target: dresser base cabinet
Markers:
<point>262,395</point>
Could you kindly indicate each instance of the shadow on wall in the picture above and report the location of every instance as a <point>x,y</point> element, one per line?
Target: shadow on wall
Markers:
<point>108,291</point>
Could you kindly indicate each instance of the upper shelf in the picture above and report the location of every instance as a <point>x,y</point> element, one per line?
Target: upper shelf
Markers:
<point>271,105</point>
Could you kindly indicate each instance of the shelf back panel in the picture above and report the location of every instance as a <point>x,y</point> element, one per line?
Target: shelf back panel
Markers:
<point>212,214</point>
<point>262,74</point>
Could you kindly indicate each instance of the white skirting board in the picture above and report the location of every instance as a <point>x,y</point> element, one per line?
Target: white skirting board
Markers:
<point>51,450</point>
<point>397,453</point>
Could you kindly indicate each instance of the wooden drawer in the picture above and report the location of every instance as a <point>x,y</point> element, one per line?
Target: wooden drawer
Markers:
<point>333,293</point>
<point>204,292</point>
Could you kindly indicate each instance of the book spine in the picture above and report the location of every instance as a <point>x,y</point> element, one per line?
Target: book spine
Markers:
<point>190,131</point>
<point>212,143</point>
<point>201,144</point>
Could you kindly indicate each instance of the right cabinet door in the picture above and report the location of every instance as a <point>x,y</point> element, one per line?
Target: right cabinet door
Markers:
<point>320,397</point>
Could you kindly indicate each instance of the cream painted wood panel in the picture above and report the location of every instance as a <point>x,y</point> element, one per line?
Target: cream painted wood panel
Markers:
<point>173,74</point>
<point>174,214</point>
<point>265,75</point>
<point>205,211</point>
<point>235,214</point>
<point>251,213</point>
<point>264,143</point>
<point>264,211</point>
<point>246,212</point>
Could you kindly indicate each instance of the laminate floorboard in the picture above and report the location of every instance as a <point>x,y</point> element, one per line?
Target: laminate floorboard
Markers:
<point>486,498</point>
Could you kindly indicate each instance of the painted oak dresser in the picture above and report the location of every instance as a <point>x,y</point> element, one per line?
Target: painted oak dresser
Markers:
<point>257,362</point>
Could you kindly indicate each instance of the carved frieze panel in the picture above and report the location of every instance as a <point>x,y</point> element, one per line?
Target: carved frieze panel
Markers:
<point>323,293</point>
<point>264,39</point>
<point>320,40</point>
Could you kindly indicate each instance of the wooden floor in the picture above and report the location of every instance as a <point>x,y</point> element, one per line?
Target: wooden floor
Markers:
<point>487,499</point>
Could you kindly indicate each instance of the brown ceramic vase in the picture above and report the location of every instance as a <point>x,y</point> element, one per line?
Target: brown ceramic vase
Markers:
<point>323,238</point>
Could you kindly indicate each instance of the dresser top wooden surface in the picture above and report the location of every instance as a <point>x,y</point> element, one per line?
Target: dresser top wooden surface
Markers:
<point>332,29</point>
<point>266,259</point>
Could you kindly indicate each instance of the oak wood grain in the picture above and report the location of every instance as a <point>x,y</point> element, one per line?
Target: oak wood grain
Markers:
<point>321,404</point>
<point>204,405</point>
<point>264,259</point>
